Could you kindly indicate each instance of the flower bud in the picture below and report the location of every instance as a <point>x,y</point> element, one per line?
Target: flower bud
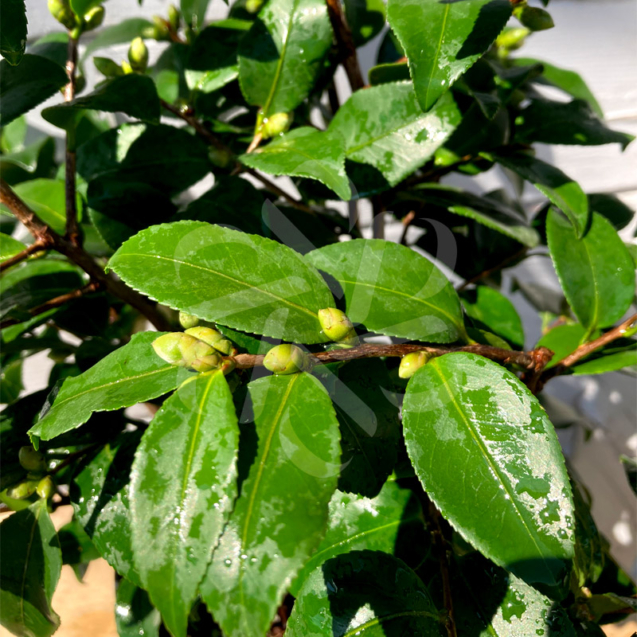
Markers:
<point>286,359</point>
<point>534,18</point>
<point>275,125</point>
<point>253,6</point>
<point>45,488</point>
<point>411,363</point>
<point>184,350</point>
<point>94,18</point>
<point>158,31</point>
<point>31,459</point>
<point>512,38</point>
<point>127,68</point>
<point>62,12</point>
<point>22,490</point>
<point>211,337</point>
<point>174,17</point>
<point>188,320</point>
<point>335,324</point>
<point>138,55</point>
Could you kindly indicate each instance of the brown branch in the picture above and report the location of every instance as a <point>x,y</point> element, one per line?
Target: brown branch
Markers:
<point>347,48</point>
<point>72,226</point>
<point>37,246</point>
<point>77,255</point>
<point>407,220</point>
<point>526,360</point>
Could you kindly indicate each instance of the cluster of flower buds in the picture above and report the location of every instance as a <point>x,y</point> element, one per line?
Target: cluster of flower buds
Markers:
<point>511,39</point>
<point>36,481</point>
<point>411,363</point>
<point>62,12</point>
<point>137,61</point>
<point>533,18</point>
<point>162,28</point>
<point>337,327</point>
<point>287,359</point>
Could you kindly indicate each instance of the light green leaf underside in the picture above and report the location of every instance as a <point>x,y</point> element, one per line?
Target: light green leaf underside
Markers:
<point>511,499</point>
<point>240,280</point>
<point>296,466</point>
<point>392,289</point>
<point>183,486</point>
<point>131,374</point>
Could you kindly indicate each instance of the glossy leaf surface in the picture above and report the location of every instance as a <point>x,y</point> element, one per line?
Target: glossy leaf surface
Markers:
<point>131,374</point>
<point>563,192</point>
<point>443,39</point>
<point>135,616</point>
<point>13,30</point>
<point>9,247</point>
<point>31,565</point>
<point>491,310</point>
<point>183,486</point>
<point>392,289</point>
<point>385,127</point>
<point>282,54</point>
<point>304,152</point>
<point>597,272</point>
<point>358,523</point>
<point>100,493</point>
<point>503,484</point>
<point>25,86</point>
<point>296,465</point>
<point>367,593</point>
<point>243,281</point>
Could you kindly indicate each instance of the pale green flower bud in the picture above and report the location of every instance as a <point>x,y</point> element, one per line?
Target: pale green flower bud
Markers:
<point>31,459</point>
<point>253,6</point>
<point>275,125</point>
<point>188,320</point>
<point>94,18</point>
<point>138,55</point>
<point>127,68</point>
<point>45,488</point>
<point>174,17</point>
<point>158,31</point>
<point>534,18</point>
<point>335,324</point>
<point>211,337</point>
<point>286,359</point>
<point>512,38</point>
<point>62,12</point>
<point>23,490</point>
<point>411,363</point>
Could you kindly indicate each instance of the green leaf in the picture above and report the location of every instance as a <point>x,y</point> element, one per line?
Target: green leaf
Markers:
<point>13,30</point>
<point>490,602</point>
<point>12,136</point>
<point>357,523</point>
<point>134,95</point>
<point>34,161</point>
<point>503,483</point>
<point>46,198</point>
<point>304,152</point>
<point>596,272</point>
<point>119,33</point>
<point>25,86</point>
<point>588,563</point>
<point>181,500</point>
<point>485,210</point>
<point>611,207</point>
<point>562,340</point>
<point>77,549</point>
<point>130,375</point>
<point>565,193</point>
<point>630,468</point>
<point>608,363</point>
<point>209,271</point>
<point>11,385</point>
<point>393,290</point>
<point>282,55</point>
<point>296,464</point>
<point>194,12</point>
<point>134,614</point>
<point>364,592</point>
<point>370,429</point>
<point>491,310</point>
<point>443,39</point>
<point>366,19</point>
<point>31,565</point>
<point>9,247</point>
<point>386,73</point>
<point>384,127</point>
<point>558,123</point>
<point>568,81</point>
<point>100,493</point>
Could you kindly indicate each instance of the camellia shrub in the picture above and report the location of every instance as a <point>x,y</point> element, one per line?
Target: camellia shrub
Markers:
<point>333,435</point>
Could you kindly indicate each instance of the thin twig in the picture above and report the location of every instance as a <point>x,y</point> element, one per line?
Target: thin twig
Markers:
<point>43,233</point>
<point>347,48</point>
<point>526,360</point>
<point>254,144</point>
<point>72,226</point>
<point>35,247</point>
<point>407,219</point>
<point>495,268</point>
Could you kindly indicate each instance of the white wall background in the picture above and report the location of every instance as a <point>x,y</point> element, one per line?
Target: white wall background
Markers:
<point>597,38</point>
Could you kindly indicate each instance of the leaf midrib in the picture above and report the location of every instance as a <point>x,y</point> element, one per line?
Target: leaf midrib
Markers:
<point>485,454</point>
<point>225,276</point>
<point>438,49</point>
